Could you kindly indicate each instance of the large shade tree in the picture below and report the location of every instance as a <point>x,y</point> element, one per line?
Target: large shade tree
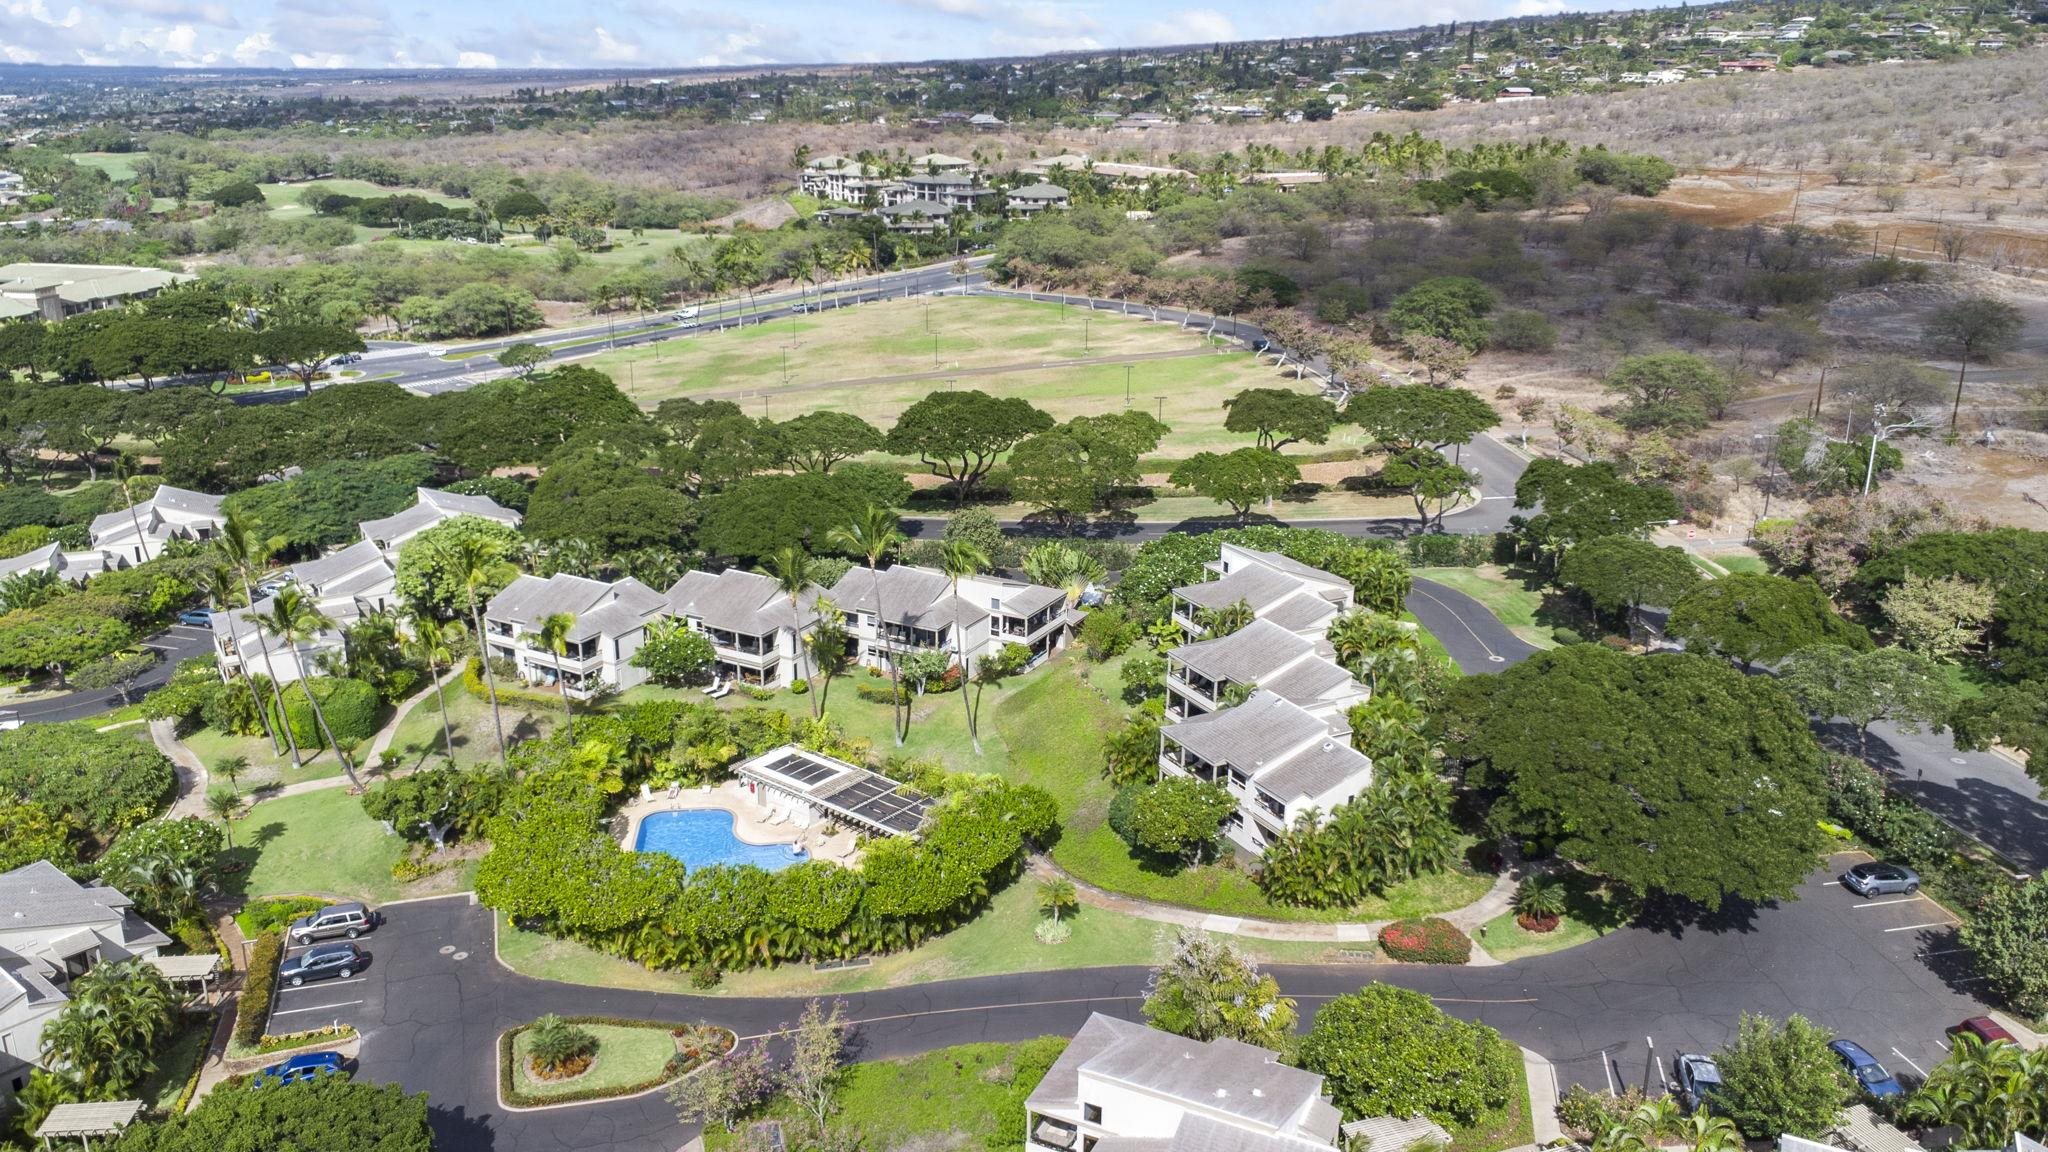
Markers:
<point>1753,617</point>
<point>1669,773</point>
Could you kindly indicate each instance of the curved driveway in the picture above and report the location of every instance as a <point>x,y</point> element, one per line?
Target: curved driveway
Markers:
<point>438,999</point>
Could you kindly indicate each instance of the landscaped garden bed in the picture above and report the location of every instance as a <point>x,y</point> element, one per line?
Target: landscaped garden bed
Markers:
<point>608,1057</point>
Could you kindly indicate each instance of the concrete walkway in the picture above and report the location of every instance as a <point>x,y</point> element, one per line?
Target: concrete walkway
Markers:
<point>192,775</point>
<point>1467,919</point>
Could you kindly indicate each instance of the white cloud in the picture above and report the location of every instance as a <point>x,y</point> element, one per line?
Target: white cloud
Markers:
<point>256,50</point>
<point>611,49</point>
<point>1188,26</point>
<point>476,60</point>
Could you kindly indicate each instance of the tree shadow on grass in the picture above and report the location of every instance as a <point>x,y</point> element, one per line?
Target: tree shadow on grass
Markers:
<point>237,862</point>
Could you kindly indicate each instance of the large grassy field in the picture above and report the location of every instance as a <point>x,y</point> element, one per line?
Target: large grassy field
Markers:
<point>119,166</point>
<point>854,359</point>
<point>289,199</point>
<point>322,843</point>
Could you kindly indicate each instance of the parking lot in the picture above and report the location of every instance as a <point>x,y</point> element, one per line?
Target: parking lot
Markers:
<point>356,1000</point>
<point>1914,933</point>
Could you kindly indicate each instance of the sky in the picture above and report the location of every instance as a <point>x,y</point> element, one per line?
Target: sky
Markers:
<point>653,34</point>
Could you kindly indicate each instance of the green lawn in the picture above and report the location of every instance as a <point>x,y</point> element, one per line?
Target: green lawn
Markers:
<point>828,351</point>
<point>119,166</point>
<point>967,1096</point>
<point>419,735</point>
<point>288,199</point>
<point>266,768</point>
<point>1741,562</point>
<point>1588,915</point>
<point>321,843</point>
<point>175,1062</point>
<point>626,1056</point>
<point>1506,595</point>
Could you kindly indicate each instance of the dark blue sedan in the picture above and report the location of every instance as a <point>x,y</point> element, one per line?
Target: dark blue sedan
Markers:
<point>1869,1075</point>
<point>299,1069</point>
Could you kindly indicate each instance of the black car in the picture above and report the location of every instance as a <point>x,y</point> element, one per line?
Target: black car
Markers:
<point>1699,1078</point>
<point>321,961</point>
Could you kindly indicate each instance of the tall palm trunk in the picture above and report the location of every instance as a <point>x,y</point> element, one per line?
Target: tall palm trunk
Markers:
<point>263,647</point>
<point>483,651</point>
<point>960,658</point>
<point>897,723</point>
<point>277,692</point>
<point>441,695</point>
<point>568,705</point>
<point>348,766</point>
<point>796,614</point>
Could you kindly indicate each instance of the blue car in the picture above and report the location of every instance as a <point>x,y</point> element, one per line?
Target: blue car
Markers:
<point>1869,1075</point>
<point>299,1069</point>
<point>196,617</point>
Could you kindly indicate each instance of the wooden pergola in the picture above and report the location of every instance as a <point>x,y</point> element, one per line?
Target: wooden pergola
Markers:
<point>82,1122</point>
<point>200,968</point>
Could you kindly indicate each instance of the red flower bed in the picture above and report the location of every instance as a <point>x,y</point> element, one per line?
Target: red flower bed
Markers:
<point>1427,941</point>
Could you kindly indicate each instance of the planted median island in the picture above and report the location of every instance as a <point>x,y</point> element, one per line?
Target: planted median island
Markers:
<point>561,1060</point>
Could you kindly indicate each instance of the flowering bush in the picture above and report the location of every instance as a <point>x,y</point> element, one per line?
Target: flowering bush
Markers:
<point>1430,940</point>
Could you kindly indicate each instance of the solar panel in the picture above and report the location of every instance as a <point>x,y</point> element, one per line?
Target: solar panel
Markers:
<point>803,770</point>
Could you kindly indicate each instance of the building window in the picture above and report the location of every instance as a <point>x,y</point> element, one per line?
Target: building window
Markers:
<point>1092,1113</point>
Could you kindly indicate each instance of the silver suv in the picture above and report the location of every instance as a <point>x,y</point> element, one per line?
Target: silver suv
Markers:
<point>350,920</point>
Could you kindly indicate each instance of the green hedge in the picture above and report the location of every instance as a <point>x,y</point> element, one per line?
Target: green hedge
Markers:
<point>292,1041</point>
<point>260,917</point>
<point>507,1082</point>
<point>510,688</point>
<point>1430,940</point>
<point>354,711</point>
<point>252,1011</point>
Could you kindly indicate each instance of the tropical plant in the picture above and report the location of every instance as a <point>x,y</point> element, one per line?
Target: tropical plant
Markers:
<point>1056,895</point>
<point>477,563</point>
<point>1207,989</point>
<point>1538,904</point>
<point>557,1046</point>
<point>245,554</point>
<point>1989,1091</point>
<point>107,1034</point>
<point>431,641</point>
<point>791,569</point>
<point>960,558</point>
<point>296,620</point>
<point>222,804</point>
<point>1232,617</point>
<point>554,636</point>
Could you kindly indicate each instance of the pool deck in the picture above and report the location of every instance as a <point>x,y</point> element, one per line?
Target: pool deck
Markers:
<point>752,822</point>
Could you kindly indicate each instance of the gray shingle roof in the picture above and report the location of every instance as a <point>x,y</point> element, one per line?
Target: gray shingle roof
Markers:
<point>39,895</point>
<point>431,507</point>
<point>1243,657</point>
<point>1246,737</point>
<point>1300,613</point>
<point>1224,1076</point>
<point>1039,192</point>
<point>735,601</point>
<point>1394,1134</point>
<point>187,501</point>
<point>1293,567</point>
<point>1316,770</point>
<point>343,563</point>
<point>1258,587</point>
<point>44,557</point>
<point>625,606</point>
<point>910,595</point>
<point>529,599</point>
<point>1311,681</point>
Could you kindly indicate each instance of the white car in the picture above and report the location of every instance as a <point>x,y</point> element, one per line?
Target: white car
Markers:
<point>686,314</point>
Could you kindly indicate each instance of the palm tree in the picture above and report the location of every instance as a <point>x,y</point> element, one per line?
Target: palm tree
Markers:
<point>1056,894</point>
<point>871,535</point>
<point>554,636</point>
<point>958,558</point>
<point>1232,617</point>
<point>792,572</point>
<point>477,563</point>
<point>125,477</point>
<point>232,768</point>
<point>826,644</point>
<point>244,552</point>
<point>222,804</point>
<point>429,643</point>
<point>295,619</point>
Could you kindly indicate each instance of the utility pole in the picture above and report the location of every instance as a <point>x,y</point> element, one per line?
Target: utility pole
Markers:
<point>1162,408</point>
<point>1817,388</point>
<point>1879,433</point>
<point>1127,385</point>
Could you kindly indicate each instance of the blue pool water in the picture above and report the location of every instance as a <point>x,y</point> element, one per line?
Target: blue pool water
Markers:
<point>703,837</point>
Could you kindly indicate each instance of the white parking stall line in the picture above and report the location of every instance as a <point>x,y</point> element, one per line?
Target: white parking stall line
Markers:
<point>1917,927</point>
<point>1910,1064</point>
<point>315,1008</point>
<point>322,986</point>
<point>1883,903</point>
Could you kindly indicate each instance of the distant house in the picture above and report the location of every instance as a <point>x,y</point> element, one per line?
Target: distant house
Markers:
<point>133,535</point>
<point>983,122</point>
<point>1288,181</point>
<point>939,162</point>
<point>1278,590</point>
<point>956,190</point>
<point>748,620</point>
<point>1122,1086</point>
<point>919,611</point>
<point>611,624</point>
<point>54,291</point>
<point>52,931</point>
<point>1032,199</point>
<point>914,216</point>
<point>345,585</point>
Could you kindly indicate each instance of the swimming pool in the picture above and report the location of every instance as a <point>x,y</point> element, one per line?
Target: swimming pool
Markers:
<point>702,837</point>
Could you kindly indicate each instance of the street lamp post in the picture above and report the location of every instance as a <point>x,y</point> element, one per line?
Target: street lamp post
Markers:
<point>1880,432</point>
<point>1127,385</point>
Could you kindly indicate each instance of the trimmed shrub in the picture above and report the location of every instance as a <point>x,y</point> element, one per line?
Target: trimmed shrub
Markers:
<point>877,692</point>
<point>252,1012</point>
<point>1430,940</point>
<point>1122,810</point>
<point>261,917</point>
<point>354,711</point>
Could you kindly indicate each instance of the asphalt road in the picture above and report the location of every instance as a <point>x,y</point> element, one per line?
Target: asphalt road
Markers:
<point>172,645</point>
<point>1880,972</point>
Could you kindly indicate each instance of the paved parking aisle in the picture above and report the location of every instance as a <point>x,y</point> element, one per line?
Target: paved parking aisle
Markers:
<point>355,1000</point>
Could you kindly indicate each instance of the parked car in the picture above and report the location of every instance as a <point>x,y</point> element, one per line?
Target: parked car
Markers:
<point>196,618</point>
<point>1869,1075</point>
<point>1880,879</point>
<point>299,1069</point>
<point>1984,1028</point>
<point>350,920</point>
<point>1698,1079</point>
<point>321,961</point>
